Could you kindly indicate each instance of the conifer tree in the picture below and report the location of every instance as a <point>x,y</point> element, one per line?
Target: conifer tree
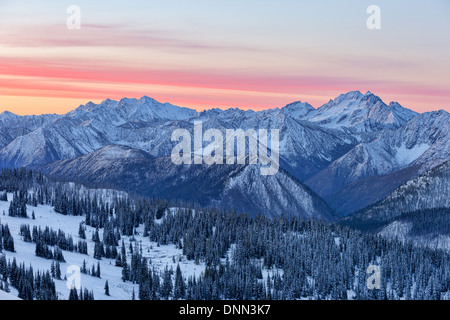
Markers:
<point>73,294</point>
<point>107,288</point>
<point>179,290</point>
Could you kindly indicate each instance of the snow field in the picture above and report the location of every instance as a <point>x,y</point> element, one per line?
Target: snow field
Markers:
<point>159,257</point>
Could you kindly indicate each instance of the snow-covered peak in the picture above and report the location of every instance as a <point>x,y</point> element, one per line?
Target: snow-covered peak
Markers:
<point>355,94</point>
<point>214,112</point>
<point>147,99</point>
<point>8,118</point>
<point>297,109</point>
<point>345,97</point>
<point>228,115</point>
<point>127,101</point>
<point>7,115</point>
<point>430,127</point>
<point>436,119</point>
<point>402,113</point>
<point>131,109</point>
<point>352,99</point>
<point>31,122</point>
<point>361,113</point>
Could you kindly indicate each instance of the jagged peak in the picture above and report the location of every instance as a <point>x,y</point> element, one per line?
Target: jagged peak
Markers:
<point>393,104</point>
<point>125,101</point>
<point>443,112</point>
<point>7,116</point>
<point>299,104</point>
<point>147,99</point>
<point>297,109</point>
<point>86,107</point>
<point>7,113</point>
<point>351,94</point>
<point>356,95</point>
<point>435,114</point>
<point>351,97</point>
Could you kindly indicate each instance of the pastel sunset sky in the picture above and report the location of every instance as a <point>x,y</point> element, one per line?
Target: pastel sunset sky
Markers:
<point>254,54</point>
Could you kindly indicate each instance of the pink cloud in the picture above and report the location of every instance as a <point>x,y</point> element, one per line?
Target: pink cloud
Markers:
<point>74,78</point>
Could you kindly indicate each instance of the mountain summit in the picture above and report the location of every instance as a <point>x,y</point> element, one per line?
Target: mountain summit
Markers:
<point>126,110</point>
<point>361,113</point>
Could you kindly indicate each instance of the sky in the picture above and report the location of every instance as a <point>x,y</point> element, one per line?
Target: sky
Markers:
<point>251,54</point>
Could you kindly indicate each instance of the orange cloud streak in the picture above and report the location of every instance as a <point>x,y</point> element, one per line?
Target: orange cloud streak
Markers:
<point>24,77</point>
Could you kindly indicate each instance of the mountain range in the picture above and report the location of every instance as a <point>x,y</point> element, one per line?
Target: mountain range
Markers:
<point>350,153</point>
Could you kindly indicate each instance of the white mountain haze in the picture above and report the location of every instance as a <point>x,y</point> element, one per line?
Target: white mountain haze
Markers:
<point>352,151</point>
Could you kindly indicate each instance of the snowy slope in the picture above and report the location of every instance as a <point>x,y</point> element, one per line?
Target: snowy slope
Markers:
<point>298,110</point>
<point>45,216</point>
<point>13,126</point>
<point>401,230</point>
<point>419,145</point>
<point>430,190</point>
<point>7,296</point>
<point>305,147</point>
<point>239,187</point>
<point>277,194</point>
<point>418,211</point>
